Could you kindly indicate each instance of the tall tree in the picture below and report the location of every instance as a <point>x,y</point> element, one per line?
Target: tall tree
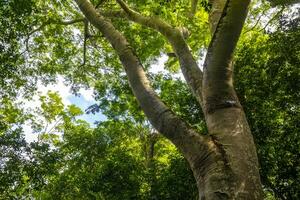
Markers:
<point>224,162</point>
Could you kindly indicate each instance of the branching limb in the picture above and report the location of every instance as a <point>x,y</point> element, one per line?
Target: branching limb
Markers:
<point>54,125</point>
<point>160,116</point>
<point>256,23</point>
<point>263,15</point>
<point>48,22</point>
<point>215,13</point>
<point>189,67</point>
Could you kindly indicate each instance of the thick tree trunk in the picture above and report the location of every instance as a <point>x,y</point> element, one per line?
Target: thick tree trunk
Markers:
<point>231,171</point>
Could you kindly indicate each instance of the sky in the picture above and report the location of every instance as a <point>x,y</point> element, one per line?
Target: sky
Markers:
<point>83,100</point>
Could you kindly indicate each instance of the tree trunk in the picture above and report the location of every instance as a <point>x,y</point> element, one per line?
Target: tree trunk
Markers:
<point>231,171</point>
<point>224,163</point>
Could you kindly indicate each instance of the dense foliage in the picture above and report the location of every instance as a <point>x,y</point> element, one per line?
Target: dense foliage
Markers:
<point>123,157</point>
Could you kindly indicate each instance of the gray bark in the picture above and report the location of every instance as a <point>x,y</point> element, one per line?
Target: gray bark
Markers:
<point>225,118</point>
<point>188,65</point>
<point>224,163</point>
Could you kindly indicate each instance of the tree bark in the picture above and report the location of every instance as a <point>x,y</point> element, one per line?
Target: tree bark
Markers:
<point>161,117</point>
<point>188,65</point>
<point>238,173</point>
<point>224,163</point>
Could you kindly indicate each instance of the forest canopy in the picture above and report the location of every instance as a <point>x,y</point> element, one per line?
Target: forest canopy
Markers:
<point>122,155</point>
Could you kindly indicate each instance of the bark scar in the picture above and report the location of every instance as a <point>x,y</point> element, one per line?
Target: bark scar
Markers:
<point>222,151</point>
<point>217,102</point>
<point>227,169</point>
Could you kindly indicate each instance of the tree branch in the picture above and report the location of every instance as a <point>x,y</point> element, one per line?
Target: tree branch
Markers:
<point>256,23</point>
<point>189,67</point>
<point>218,90</point>
<point>193,7</point>
<point>215,13</point>
<point>100,3</point>
<point>160,116</point>
<point>113,14</point>
<point>58,22</point>
<point>70,22</point>
<point>48,22</point>
<point>86,36</point>
<point>274,17</point>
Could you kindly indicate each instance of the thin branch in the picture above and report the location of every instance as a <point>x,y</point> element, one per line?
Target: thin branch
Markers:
<point>57,22</point>
<point>263,14</point>
<point>54,125</point>
<point>176,37</point>
<point>39,28</point>
<point>100,3</point>
<point>256,23</point>
<point>48,22</point>
<point>86,36</point>
<point>46,127</point>
<point>193,7</point>
<point>113,14</point>
<point>273,18</point>
<point>31,33</point>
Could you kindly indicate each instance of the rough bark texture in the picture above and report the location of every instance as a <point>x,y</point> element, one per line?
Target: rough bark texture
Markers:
<point>224,163</point>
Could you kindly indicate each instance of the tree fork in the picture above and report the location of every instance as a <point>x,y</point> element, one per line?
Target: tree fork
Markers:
<point>160,116</point>
<point>219,161</point>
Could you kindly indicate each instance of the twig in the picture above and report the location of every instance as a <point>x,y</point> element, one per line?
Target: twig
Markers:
<point>193,7</point>
<point>100,3</point>
<point>274,17</point>
<point>256,23</point>
<point>86,36</point>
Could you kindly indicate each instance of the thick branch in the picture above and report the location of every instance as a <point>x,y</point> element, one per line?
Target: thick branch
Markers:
<point>160,116</point>
<point>218,91</point>
<point>215,13</point>
<point>86,35</point>
<point>283,2</point>
<point>189,67</point>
